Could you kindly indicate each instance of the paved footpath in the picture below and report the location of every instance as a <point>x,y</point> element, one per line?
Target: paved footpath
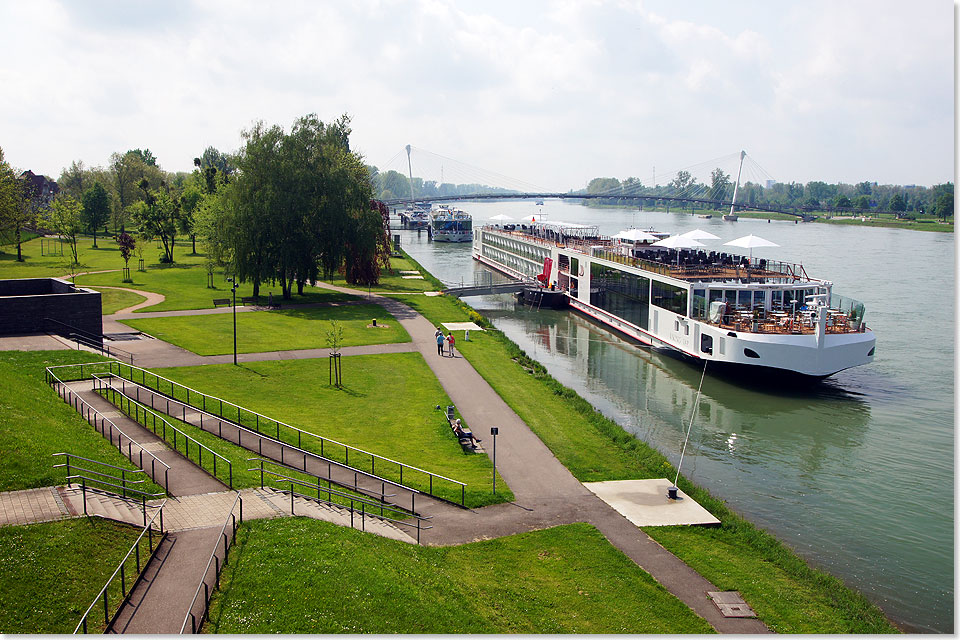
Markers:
<point>546,493</point>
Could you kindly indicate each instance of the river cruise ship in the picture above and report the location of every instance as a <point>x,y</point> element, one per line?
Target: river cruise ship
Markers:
<point>450,225</point>
<point>747,312</point>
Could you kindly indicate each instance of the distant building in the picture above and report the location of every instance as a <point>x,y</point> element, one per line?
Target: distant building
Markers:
<point>41,189</point>
<point>770,183</point>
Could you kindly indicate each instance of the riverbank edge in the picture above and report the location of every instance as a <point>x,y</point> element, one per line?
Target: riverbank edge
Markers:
<point>870,222</point>
<point>753,544</point>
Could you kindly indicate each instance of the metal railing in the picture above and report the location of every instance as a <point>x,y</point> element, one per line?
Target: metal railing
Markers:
<point>90,340</point>
<point>101,480</point>
<point>282,479</point>
<point>252,419</point>
<point>148,530</point>
<point>218,566</point>
<point>148,418</point>
<point>108,429</point>
<point>284,447</point>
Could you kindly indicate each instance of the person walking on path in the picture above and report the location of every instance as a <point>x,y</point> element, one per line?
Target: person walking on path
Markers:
<point>450,343</point>
<point>439,342</point>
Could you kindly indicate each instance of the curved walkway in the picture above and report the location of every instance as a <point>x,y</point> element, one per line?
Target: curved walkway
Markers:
<point>546,493</point>
<point>151,297</point>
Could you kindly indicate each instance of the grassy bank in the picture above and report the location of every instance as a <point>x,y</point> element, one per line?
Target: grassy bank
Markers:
<point>325,579</point>
<point>385,407</point>
<point>286,329</point>
<point>51,572</point>
<point>788,595</point>
<point>35,423</point>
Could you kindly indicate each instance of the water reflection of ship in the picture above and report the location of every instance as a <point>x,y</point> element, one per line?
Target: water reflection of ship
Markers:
<point>656,393</point>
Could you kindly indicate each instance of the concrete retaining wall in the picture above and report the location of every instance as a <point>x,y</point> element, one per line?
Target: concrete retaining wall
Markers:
<point>38,305</point>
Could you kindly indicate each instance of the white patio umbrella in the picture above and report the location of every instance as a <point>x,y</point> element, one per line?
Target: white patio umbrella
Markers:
<point>500,217</point>
<point>678,242</point>
<point>529,219</point>
<point>699,234</point>
<point>750,242</point>
<point>635,235</point>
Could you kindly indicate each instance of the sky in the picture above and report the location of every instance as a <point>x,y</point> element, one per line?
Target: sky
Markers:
<point>550,94</point>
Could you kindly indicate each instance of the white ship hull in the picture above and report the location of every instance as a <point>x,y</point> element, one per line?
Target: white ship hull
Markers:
<point>817,349</point>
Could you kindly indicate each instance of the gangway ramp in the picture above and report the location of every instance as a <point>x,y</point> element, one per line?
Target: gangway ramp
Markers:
<point>486,289</point>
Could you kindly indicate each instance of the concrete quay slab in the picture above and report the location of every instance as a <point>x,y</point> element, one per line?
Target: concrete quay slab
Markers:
<point>645,503</point>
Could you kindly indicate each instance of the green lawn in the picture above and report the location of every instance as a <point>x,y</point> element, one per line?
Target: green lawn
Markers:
<point>735,556</point>
<point>283,330</point>
<point>395,282</point>
<point>307,576</point>
<point>387,407</point>
<point>51,572</point>
<point>105,256</point>
<point>113,300</point>
<point>35,423</point>
<point>185,287</point>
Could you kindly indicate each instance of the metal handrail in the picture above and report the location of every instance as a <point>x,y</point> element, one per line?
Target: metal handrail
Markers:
<point>99,378</point>
<point>89,339</point>
<point>300,432</point>
<point>283,447</point>
<point>147,529</point>
<point>76,401</point>
<point>328,490</point>
<point>363,503</point>
<point>213,555</point>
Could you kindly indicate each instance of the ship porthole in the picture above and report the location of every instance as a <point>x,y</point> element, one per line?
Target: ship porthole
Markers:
<point>750,353</point>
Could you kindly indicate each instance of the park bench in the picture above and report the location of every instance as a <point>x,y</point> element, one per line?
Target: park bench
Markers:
<point>221,302</point>
<point>248,301</point>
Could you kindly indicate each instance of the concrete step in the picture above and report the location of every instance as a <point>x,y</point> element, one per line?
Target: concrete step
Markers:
<point>338,516</point>
<point>105,506</point>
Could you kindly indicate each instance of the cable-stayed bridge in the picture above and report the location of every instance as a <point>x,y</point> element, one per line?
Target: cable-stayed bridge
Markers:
<point>694,185</point>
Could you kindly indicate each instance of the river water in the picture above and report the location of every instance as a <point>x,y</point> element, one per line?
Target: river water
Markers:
<point>855,474</point>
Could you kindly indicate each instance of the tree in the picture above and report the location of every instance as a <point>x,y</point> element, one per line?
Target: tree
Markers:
<point>682,181</point>
<point>864,188</point>
<point>862,202</point>
<point>299,206</point>
<point>943,207</point>
<point>127,245</point>
<point>843,202</point>
<point>158,214</point>
<point>96,208</point>
<point>189,203</point>
<point>17,208</point>
<point>898,203</point>
<point>145,156</point>
<point>74,179</point>
<point>719,183</point>
<point>65,216</point>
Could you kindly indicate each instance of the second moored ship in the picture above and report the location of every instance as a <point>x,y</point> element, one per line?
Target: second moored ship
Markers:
<point>450,225</point>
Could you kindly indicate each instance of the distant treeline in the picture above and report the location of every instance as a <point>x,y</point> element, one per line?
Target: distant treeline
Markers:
<point>907,201</point>
<point>393,184</point>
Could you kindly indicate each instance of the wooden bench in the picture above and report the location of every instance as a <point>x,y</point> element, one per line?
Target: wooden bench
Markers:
<point>248,301</point>
<point>221,302</point>
<point>466,442</point>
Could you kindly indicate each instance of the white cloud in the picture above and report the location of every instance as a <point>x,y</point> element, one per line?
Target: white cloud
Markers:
<point>550,93</point>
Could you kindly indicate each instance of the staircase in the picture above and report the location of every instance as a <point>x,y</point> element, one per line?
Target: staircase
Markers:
<point>104,505</point>
<point>334,514</point>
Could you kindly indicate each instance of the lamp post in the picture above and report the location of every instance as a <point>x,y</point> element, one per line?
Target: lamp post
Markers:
<point>493,432</point>
<point>234,290</point>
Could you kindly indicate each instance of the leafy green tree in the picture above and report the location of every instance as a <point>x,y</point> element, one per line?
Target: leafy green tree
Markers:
<point>943,207</point>
<point>189,204</point>
<point>65,216</point>
<point>74,180</point>
<point>862,202</point>
<point>843,202</point>
<point>145,156</point>
<point>864,188</point>
<point>394,185</point>
<point>719,183</point>
<point>96,208</point>
<point>898,203</point>
<point>158,214</point>
<point>682,181</point>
